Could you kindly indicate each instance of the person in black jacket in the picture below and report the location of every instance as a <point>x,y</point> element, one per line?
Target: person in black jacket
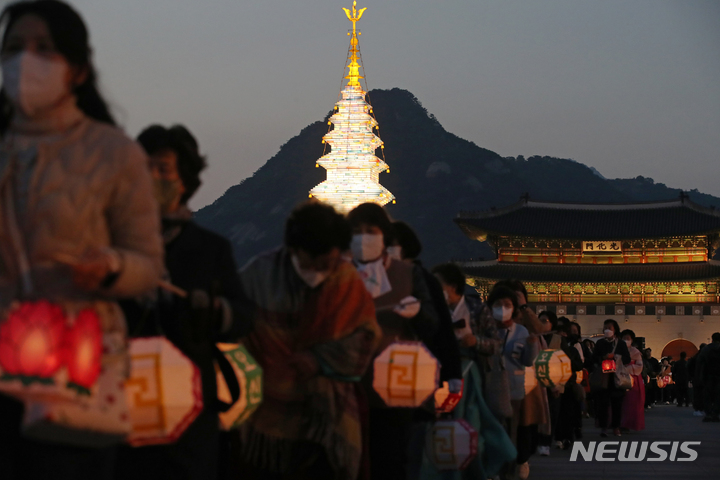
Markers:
<point>651,365</point>
<point>698,391</point>
<point>610,397</point>
<point>443,344</point>
<point>681,379</point>
<point>201,263</point>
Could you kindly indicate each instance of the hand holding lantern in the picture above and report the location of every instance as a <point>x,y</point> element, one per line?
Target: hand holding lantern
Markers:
<point>93,269</point>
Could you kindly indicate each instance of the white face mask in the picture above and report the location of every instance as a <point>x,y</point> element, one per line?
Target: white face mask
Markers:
<point>33,83</point>
<point>394,252</point>
<point>628,343</point>
<point>502,314</point>
<point>312,278</point>
<point>608,333</point>
<point>366,247</point>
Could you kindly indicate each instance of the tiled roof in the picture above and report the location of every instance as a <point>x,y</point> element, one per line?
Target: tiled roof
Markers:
<point>649,272</point>
<point>593,222</point>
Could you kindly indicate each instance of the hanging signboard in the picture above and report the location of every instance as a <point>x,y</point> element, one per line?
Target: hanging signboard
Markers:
<point>606,246</point>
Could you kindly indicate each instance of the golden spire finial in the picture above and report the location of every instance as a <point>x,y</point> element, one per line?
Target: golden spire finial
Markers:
<point>356,14</point>
<point>353,67</point>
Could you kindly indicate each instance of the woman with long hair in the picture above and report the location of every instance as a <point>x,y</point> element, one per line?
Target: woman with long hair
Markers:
<point>79,227</point>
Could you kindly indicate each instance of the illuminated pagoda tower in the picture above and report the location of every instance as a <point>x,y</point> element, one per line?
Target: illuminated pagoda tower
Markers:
<point>352,166</point>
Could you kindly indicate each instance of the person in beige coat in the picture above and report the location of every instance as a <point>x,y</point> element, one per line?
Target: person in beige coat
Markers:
<point>79,227</point>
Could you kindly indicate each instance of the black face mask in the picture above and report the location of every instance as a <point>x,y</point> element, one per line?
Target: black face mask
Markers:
<point>574,337</point>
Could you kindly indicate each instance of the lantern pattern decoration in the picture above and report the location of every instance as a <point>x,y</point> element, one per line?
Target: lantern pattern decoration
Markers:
<point>552,368</point>
<point>608,365</point>
<point>31,343</point>
<point>451,444</point>
<point>530,379</point>
<point>352,167</point>
<point>164,392</point>
<point>83,351</point>
<point>579,375</point>
<point>249,376</point>
<point>445,401</point>
<point>405,374</point>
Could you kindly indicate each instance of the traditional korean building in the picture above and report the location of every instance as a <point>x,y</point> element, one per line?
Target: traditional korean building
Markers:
<point>647,265</point>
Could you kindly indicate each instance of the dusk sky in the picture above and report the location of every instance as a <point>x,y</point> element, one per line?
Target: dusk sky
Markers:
<point>628,87</point>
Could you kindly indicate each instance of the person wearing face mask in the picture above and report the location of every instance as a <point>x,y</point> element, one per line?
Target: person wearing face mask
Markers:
<point>405,311</point>
<point>518,350</point>
<point>201,263</point>
<point>477,334</point>
<point>633,406</point>
<point>534,407</point>
<point>608,400</point>
<point>78,223</point>
<point>315,335</point>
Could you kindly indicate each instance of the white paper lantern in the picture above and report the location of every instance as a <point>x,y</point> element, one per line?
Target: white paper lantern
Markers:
<point>164,391</point>
<point>405,374</point>
<point>451,444</point>
<point>553,368</point>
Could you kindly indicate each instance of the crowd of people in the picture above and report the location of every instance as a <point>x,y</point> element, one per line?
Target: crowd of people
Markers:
<point>90,219</point>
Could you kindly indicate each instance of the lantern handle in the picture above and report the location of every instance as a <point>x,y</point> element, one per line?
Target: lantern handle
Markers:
<point>391,307</point>
<point>169,287</point>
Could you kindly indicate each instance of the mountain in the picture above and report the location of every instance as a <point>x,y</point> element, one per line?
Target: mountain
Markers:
<point>434,175</point>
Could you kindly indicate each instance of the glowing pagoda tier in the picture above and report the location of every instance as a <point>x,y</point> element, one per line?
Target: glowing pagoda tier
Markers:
<point>352,167</point>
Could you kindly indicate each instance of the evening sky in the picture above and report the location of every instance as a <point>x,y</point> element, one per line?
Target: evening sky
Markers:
<point>628,87</point>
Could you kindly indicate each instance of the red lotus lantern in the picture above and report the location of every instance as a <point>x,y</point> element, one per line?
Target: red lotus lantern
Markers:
<point>84,347</point>
<point>31,342</point>
<point>608,366</point>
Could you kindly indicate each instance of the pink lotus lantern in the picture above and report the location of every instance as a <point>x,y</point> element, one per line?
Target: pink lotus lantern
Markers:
<point>31,341</point>
<point>83,343</point>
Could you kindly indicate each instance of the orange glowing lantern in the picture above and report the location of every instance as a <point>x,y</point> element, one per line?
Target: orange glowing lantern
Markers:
<point>31,343</point>
<point>405,374</point>
<point>446,401</point>
<point>608,366</point>
<point>83,351</point>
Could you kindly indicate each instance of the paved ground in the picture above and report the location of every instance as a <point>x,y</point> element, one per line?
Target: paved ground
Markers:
<point>665,422</point>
